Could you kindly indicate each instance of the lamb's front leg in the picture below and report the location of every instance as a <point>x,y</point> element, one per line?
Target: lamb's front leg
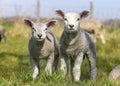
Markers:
<point>77,66</point>
<point>50,62</point>
<point>35,67</point>
<point>102,38</point>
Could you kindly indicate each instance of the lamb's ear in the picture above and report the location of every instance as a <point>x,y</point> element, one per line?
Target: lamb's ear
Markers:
<point>51,23</point>
<point>28,22</point>
<point>84,14</point>
<point>60,13</point>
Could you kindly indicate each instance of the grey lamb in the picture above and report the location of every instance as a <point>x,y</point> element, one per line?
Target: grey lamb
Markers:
<point>2,33</point>
<point>42,45</point>
<point>75,44</point>
<point>115,73</point>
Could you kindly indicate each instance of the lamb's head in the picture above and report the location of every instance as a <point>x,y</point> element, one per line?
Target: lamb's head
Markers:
<point>39,30</point>
<point>72,20</point>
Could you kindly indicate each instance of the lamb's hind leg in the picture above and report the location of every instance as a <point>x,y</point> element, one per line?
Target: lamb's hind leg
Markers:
<point>92,64</point>
<point>72,65</point>
<point>35,67</point>
<point>0,37</point>
<point>63,67</point>
<point>56,60</point>
<point>5,39</point>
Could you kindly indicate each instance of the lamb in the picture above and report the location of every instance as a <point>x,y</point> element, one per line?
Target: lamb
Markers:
<point>75,44</point>
<point>42,45</point>
<point>2,33</point>
<point>115,73</point>
<point>94,28</point>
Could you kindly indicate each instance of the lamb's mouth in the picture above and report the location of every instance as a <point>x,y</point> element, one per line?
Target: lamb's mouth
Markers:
<point>39,39</point>
<point>71,30</point>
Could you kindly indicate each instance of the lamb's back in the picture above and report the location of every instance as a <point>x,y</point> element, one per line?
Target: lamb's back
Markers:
<point>115,73</point>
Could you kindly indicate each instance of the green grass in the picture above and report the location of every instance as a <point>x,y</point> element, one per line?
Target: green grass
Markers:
<point>15,68</point>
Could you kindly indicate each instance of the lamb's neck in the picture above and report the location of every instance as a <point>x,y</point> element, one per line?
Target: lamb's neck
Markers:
<point>39,44</point>
<point>72,38</point>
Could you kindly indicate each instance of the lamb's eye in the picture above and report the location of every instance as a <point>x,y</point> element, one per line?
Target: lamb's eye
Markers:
<point>65,19</point>
<point>34,29</point>
<point>78,19</point>
<point>45,28</point>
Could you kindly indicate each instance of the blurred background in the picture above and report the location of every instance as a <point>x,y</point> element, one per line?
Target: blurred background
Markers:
<point>107,12</point>
<point>102,9</point>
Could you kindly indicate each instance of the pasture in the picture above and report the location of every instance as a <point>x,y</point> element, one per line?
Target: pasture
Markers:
<point>15,68</point>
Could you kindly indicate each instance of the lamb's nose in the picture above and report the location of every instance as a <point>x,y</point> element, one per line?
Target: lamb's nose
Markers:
<point>71,26</point>
<point>39,35</point>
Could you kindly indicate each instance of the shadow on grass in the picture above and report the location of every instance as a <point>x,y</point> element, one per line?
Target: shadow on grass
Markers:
<point>22,59</point>
<point>5,54</point>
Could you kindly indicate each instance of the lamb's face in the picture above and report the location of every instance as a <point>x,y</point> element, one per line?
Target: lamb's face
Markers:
<point>71,22</point>
<point>39,30</point>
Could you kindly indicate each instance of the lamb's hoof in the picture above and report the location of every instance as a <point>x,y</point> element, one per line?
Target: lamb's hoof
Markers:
<point>64,70</point>
<point>34,75</point>
<point>48,70</point>
<point>76,79</point>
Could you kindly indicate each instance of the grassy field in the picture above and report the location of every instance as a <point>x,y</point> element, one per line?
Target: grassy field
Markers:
<point>15,68</point>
